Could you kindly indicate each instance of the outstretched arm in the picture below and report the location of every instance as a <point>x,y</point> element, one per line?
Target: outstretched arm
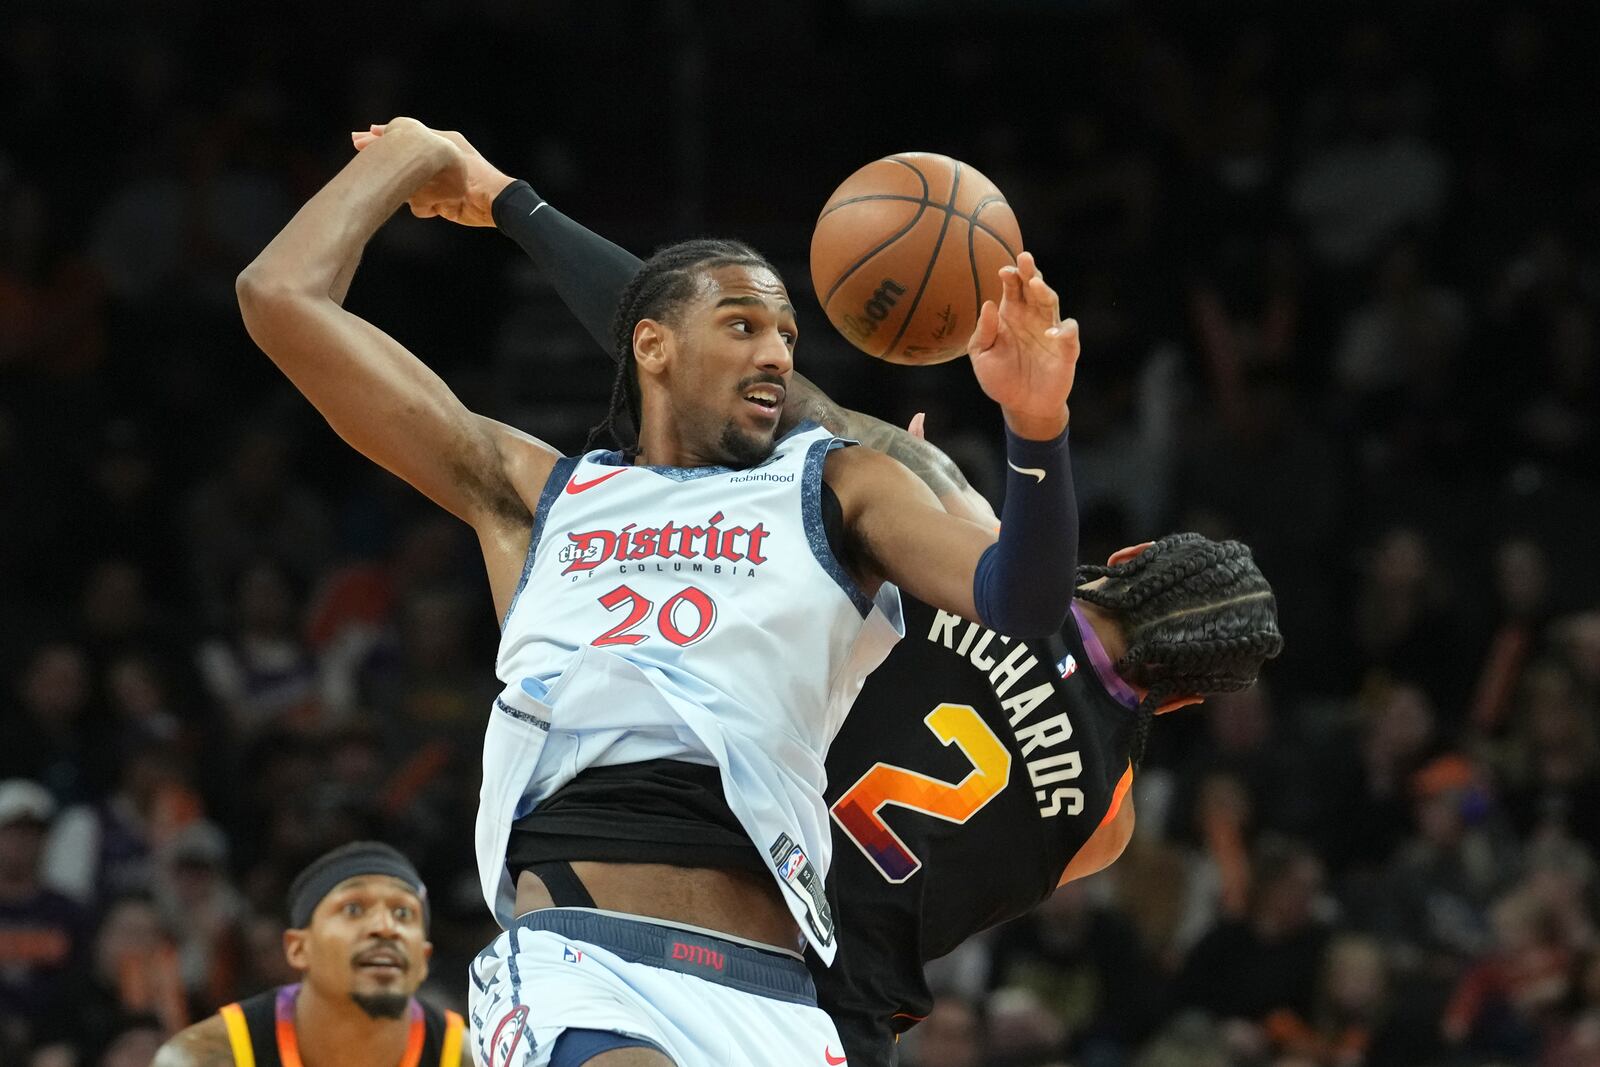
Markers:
<point>1022,583</point>
<point>928,462</point>
<point>589,274</point>
<point>378,396</point>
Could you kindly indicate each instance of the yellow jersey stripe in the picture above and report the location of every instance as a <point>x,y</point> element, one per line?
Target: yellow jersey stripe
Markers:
<point>454,1027</point>
<point>244,1054</point>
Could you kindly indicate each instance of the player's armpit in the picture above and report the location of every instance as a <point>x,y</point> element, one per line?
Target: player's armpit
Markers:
<point>205,1044</point>
<point>1110,838</point>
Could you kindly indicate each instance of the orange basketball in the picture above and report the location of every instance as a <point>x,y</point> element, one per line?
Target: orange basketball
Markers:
<point>905,253</point>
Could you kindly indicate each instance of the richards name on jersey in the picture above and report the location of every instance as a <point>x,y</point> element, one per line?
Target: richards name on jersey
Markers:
<point>1041,727</point>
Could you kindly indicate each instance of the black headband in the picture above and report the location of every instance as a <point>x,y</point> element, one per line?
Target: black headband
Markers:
<point>350,861</point>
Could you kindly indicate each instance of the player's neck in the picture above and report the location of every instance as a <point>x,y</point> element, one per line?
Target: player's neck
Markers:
<point>1106,628</point>
<point>335,1032</point>
<point>1109,631</point>
<point>659,446</point>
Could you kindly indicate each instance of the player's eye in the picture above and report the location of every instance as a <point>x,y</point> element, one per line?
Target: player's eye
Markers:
<point>742,325</point>
<point>403,913</point>
<point>353,908</point>
<point>788,336</point>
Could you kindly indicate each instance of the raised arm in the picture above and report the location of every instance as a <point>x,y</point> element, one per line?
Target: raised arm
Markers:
<point>374,393</point>
<point>589,274</point>
<point>932,466</point>
<point>1021,583</point>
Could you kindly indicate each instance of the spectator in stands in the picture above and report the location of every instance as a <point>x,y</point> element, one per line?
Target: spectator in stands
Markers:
<point>43,934</point>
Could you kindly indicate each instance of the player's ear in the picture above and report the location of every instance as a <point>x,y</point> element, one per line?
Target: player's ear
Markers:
<point>295,949</point>
<point>652,345</point>
<point>1123,555</point>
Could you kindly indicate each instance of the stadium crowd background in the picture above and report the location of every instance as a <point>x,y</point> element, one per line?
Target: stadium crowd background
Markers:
<point>1336,270</point>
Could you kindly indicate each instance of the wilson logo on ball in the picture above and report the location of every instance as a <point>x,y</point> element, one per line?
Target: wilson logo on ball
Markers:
<point>875,310</point>
<point>923,217</point>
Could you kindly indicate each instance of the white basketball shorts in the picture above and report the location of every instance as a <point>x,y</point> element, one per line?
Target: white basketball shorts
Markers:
<point>703,1000</point>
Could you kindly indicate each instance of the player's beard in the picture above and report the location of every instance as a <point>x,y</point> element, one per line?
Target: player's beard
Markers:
<point>382,1005</point>
<point>741,449</point>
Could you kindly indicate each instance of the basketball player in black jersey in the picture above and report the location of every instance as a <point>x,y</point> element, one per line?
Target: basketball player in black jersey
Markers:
<point>359,936</point>
<point>977,773</point>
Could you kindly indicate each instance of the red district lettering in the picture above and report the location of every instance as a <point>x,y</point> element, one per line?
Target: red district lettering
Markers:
<point>590,548</point>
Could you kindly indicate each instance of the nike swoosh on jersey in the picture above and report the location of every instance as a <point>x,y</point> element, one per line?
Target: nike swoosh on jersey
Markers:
<point>575,487</point>
<point>827,1054</point>
<point>1036,472</point>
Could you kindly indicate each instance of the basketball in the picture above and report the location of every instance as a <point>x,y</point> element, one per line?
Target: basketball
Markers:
<point>906,251</point>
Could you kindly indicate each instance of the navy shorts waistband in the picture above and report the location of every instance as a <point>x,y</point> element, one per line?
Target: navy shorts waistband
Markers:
<point>673,948</point>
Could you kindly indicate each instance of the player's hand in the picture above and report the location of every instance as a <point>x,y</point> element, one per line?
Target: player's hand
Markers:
<point>469,202</point>
<point>1025,357</point>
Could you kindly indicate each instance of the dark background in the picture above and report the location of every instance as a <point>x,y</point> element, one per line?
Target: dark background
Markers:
<point>1335,268</point>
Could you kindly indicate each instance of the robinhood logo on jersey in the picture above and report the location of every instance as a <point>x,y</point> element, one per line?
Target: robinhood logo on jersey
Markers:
<point>707,548</point>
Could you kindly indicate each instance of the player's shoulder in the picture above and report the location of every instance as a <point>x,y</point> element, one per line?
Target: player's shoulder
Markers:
<point>205,1044</point>
<point>858,465</point>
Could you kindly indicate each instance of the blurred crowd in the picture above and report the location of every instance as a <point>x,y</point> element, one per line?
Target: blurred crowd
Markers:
<point>1338,280</point>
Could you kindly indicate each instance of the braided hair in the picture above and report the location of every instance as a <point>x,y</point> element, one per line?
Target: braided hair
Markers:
<point>1199,617</point>
<point>664,284</point>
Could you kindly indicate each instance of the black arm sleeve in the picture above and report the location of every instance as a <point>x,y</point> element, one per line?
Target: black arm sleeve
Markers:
<point>588,272</point>
<point>1024,581</point>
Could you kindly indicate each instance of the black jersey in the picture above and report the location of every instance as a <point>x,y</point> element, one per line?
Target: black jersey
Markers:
<point>966,777</point>
<point>262,1034</point>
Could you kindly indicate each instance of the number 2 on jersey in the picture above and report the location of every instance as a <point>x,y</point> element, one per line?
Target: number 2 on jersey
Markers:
<point>857,811</point>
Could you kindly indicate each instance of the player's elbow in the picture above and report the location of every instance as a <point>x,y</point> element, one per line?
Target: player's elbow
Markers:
<point>257,287</point>
<point>266,297</point>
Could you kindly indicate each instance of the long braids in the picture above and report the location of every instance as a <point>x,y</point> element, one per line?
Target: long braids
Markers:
<point>663,285</point>
<point>1199,617</point>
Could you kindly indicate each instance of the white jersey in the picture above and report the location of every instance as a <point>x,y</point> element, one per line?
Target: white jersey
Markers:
<point>695,614</point>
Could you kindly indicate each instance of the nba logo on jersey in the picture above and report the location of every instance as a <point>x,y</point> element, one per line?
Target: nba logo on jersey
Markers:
<point>571,955</point>
<point>1068,666</point>
<point>791,863</point>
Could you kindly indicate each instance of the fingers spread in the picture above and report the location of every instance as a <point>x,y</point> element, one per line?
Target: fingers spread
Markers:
<point>983,334</point>
<point>1010,285</point>
<point>1041,295</point>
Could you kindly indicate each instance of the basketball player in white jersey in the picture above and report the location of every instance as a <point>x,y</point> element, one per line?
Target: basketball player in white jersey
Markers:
<point>685,621</point>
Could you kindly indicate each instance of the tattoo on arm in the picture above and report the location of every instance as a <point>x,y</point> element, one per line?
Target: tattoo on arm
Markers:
<point>926,461</point>
<point>204,1044</point>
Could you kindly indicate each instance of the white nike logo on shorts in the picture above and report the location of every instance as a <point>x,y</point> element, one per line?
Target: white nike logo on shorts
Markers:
<point>1036,472</point>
